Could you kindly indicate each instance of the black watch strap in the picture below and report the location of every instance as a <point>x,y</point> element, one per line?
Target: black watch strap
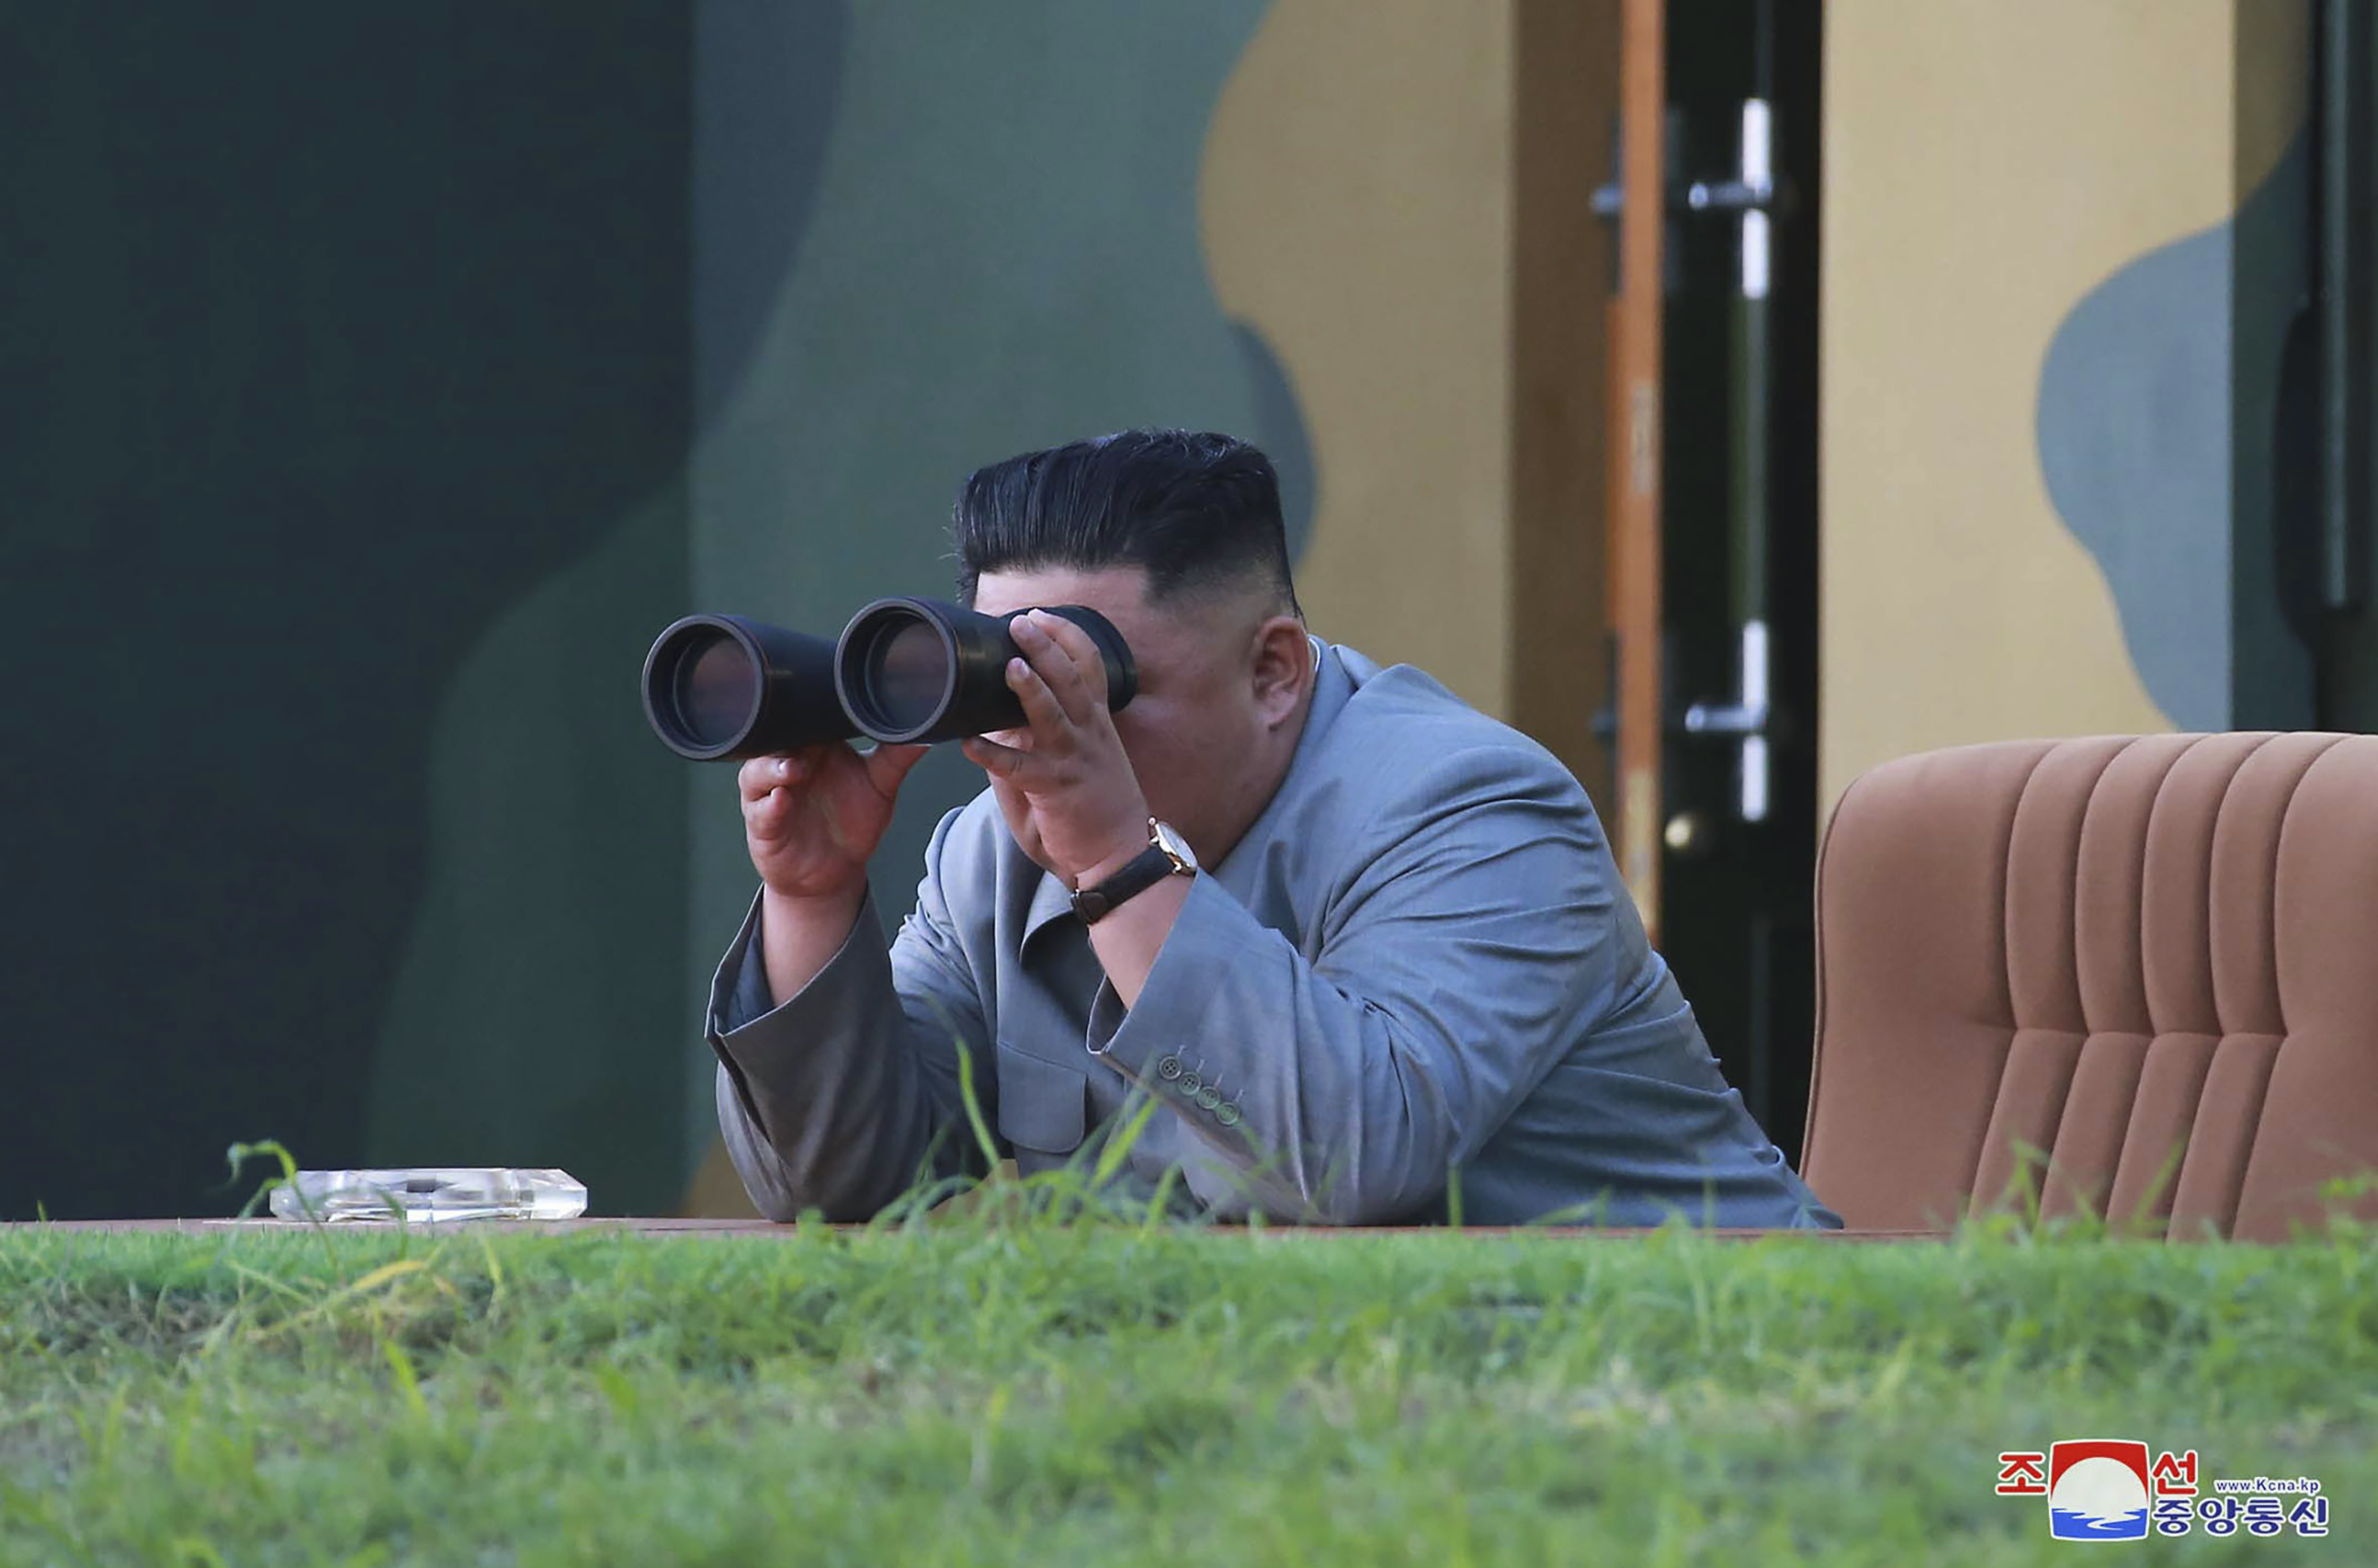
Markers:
<point>1144,871</point>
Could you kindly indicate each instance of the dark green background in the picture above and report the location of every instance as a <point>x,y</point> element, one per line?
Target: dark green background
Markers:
<point>328,332</point>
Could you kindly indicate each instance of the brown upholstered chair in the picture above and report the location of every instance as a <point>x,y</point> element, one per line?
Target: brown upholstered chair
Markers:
<point>2152,961</point>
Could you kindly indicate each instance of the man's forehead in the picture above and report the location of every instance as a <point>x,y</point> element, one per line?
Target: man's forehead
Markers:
<point>1108,589</point>
<point>1188,628</point>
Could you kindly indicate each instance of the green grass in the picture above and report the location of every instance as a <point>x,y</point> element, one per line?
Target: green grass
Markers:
<point>1003,1390</point>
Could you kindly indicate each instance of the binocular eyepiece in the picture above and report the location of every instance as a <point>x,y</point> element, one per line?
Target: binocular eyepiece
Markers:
<point>722,687</point>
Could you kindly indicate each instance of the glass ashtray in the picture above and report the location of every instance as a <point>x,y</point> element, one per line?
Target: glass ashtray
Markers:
<point>430,1195</point>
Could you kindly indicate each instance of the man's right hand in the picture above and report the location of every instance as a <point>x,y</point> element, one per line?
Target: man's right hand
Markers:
<point>812,818</point>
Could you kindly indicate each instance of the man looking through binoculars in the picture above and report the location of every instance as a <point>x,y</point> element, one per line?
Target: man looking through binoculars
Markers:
<point>1354,936</point>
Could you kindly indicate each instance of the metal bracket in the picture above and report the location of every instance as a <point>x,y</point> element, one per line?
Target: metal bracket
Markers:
<point>1755,194</point>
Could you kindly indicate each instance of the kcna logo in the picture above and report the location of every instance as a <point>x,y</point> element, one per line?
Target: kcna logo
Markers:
<point>2104,1490</point>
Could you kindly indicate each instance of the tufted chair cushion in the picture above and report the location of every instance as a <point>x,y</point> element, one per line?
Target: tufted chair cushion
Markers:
<point>2152,961</point>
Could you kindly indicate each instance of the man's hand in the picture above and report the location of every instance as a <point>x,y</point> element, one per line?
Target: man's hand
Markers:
<point>1064,785</point>
<point>812,818</point>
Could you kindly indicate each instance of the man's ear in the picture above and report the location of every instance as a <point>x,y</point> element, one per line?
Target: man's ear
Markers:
<point>1283,666</point>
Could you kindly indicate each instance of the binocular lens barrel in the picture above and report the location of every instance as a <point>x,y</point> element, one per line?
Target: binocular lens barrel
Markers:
<point>720,686</point>
<point>913,669</point>
<point>716,690</point>
<point>905,670</point>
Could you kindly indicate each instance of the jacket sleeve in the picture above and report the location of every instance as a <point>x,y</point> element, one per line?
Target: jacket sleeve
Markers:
<point>847,1094</point>
<point>1477,925</point>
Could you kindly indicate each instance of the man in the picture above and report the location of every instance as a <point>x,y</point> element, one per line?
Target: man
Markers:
<point>1363,945</point>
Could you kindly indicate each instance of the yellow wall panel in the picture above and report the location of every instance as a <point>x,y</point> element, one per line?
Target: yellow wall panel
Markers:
<point>1356,208</point>
<point>1987,162</point>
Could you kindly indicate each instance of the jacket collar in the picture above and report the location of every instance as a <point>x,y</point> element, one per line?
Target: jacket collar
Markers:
<point>1333,686</point>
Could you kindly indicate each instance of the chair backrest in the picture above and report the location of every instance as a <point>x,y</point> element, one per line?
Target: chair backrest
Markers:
<point>2152,961</point>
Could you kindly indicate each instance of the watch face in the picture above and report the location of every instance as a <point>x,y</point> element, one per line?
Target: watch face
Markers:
<point>1172,844</point>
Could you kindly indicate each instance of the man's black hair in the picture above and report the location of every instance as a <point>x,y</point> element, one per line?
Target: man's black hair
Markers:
<point>1191,510</point>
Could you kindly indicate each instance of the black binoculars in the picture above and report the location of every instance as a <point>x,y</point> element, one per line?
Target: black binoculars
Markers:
<point>721,687</point>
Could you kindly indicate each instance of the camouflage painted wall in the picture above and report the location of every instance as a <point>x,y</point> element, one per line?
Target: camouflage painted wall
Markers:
<point>2062,246</point>
<point>343,411</point>
<point>378,380</point>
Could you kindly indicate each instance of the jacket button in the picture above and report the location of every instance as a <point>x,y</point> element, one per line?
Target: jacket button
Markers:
<point>1208,1097</point>
<point>1169,1068</point>
<point>1188,1086</point>
<point>1228,1116</point>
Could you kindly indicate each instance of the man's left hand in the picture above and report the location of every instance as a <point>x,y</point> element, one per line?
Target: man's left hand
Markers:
<point>1064,785</point>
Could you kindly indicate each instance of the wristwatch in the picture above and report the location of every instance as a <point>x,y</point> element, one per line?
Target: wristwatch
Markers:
<point>1168,854</point>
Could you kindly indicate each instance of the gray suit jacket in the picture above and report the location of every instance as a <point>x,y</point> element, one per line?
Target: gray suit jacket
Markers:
<point>1419,960</point>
